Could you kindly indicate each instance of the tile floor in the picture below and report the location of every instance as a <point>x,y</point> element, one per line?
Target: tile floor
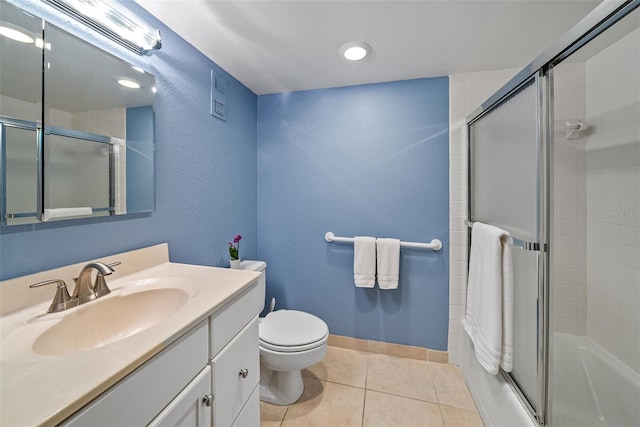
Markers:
<point>358,388</point>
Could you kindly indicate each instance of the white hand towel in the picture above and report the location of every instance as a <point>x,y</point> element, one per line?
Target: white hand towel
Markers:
<point>388,263</point>
<point>489,314</point>
<point>364,261</point>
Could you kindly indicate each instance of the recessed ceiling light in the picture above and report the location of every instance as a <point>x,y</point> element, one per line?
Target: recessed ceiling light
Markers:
<point>14,34</point>
<point>138,69</point>
<point>129,83</point>
<point>355,51</point>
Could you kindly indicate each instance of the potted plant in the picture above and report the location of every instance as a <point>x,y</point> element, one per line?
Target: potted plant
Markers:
<point>234,252</point>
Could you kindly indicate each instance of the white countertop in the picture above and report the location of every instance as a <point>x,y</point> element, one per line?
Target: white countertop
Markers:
<point>44,390</point>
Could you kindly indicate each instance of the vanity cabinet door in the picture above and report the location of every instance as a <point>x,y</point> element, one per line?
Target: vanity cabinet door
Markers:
<point>236,373</point>
<point>190,408</point>
<point>250,415</point>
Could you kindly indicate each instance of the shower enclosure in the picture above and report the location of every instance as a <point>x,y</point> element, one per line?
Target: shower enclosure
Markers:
<point>554,158</point>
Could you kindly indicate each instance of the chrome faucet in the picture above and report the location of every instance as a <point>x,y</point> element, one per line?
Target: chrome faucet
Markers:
<point>85,290</point>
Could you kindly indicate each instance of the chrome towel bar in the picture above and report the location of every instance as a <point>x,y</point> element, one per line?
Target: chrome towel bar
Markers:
<point>435,244</point>
<point>513,241</point>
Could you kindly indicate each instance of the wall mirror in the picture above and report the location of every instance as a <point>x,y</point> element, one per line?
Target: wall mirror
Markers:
<point>76,126</point>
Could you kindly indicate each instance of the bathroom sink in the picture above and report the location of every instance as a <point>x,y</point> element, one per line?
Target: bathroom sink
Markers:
<point>108,320</point>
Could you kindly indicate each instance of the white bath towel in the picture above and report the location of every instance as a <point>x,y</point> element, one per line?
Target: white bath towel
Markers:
<point>489,314</point>
<point>388,260</point>
<point>364,261</point>
<point>66,212</point>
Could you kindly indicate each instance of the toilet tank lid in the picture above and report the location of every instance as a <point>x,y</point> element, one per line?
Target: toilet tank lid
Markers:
<point>253,265</point>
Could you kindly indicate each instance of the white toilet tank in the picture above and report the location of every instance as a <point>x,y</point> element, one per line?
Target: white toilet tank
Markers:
<point>257,266</point>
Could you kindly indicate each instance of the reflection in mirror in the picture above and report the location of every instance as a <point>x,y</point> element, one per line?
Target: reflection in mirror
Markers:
<point>21,64</point>
<point>20,113</point>
<point>88,150</point>
<point>99,131</point>
<point>77,172</point>
<point>20,143</point>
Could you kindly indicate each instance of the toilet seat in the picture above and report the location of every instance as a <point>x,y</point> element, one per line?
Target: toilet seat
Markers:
<point>291,331</point>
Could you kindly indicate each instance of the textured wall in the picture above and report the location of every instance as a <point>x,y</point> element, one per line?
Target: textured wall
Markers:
<point>360,160</point>
<point>206,172</point>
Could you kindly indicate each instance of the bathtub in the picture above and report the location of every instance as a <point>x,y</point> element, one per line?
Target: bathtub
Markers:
<point>497,403</point>
<point>590,387</point>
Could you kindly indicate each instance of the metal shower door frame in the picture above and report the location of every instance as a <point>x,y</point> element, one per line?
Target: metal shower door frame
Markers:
<point>536,409</point>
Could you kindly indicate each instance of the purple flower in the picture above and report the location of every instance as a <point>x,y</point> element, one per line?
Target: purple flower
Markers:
<point>235,249</point>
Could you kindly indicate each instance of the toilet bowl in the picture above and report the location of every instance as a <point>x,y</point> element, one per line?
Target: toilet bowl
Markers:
<point>290,341</point>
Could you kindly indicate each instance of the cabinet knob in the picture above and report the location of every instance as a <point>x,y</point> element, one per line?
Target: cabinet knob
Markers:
<point>208,400</point>
<point>243,373</point>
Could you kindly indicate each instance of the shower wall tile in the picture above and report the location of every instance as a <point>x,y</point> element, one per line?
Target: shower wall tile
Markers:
<point>612,99</point>
<point>569,227</point>
<point>466,93</point>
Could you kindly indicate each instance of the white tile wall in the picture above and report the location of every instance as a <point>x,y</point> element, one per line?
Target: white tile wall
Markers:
<point>613,199</point>
<point>569,209</point>
<point>466,93</point>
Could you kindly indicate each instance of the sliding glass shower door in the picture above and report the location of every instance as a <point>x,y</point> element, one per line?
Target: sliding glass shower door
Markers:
<point>506,166</point>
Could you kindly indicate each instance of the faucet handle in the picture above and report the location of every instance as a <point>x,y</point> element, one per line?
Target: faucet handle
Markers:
<point>100,287</point>
<point>62,300</point>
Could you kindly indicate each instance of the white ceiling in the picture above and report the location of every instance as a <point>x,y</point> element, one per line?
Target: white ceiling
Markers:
<point>280,46</point>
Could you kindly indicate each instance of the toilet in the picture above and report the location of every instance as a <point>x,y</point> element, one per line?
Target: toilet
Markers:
<point>290,341</point>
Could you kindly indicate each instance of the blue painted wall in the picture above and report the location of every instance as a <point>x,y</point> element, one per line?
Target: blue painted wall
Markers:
<point>206,171</point>
<point>360,160</point>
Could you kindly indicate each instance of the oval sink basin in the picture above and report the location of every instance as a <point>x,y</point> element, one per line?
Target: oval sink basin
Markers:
<point>109,320</point>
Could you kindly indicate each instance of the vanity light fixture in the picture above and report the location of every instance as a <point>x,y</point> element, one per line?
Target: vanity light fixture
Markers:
<point>129,83</point>
<point>114,21</point>
<point>11,32</point>
<point>355,51</point>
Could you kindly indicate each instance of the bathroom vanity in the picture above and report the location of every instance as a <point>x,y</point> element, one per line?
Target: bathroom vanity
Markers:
<point>172,344</point>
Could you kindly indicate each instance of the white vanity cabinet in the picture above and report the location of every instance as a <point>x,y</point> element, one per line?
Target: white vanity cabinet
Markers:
<point>207,377</point>
<point>235,361</point>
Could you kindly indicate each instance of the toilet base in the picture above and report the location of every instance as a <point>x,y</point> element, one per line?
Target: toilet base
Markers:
<point>280,387</point>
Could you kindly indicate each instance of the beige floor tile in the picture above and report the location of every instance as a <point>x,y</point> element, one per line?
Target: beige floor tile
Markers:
<point>271,415</point>
<point>450,386</point>
<point>402,377</point>
<point>382,410</point>
<point>326,404</point>
<point>456,417</point>
<point>341,365</point>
